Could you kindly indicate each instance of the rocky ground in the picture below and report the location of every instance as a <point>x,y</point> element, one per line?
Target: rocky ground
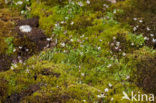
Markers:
<point>77,51</point>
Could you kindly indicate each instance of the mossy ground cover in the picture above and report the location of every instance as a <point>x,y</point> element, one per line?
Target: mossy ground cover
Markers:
<point>98,53</point>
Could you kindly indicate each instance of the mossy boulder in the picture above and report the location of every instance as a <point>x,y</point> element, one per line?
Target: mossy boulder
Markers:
<point>145,69</point>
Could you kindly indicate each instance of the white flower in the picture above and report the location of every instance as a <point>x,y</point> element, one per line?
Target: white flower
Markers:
<point>112,44</point>
<point>114,11</point>
<point>49,39</point>
<point>20,61</point>
<point>124,54</point>
<point>112,99</point>
<point>25,28</point>
<point>106,90</point>
<point>15,65</point>
<point>84,100</point>
<point>47,46</point>
<point>148,28</point>
<point>80,3</point>
<point>71,40</point>
<point>20,47</point>
<point>63,44</point>
<point>71,2</point>
<point>64,51</point>
<point>79,67</point>
<point>151,35</point>
<point>140,21</point>
<point>27,50</point>
<point>112,1</point>
<point>135,19</point>
<point>88,2</point>
<point>114,38</point>
<point>19,3</point>
<point>135,28</point>
<point>101,95</point>
<point>99,48</point>
<point>105,5</point>
<point>66,18</point>
<point>62,22</point>
<point>128,77</point>
<point>27,71</point>
<point>154,40</point>
<point>132,44</point>
<point>65,32</point>
<point>22,12</point>
<point>57,25</point>
<point>116,48</point>
<point>72,23</point>
<point>12,68</point>
<point>110,85</point>
<point>117,43</point>
<point>146,38</point>
<point>81,46</point>
<point>6,1</point>
<point>82,36</point>
<point>81,53</point>
<point>109,65</point>
<point>14,50</point>
<point>56,41</point>
<point>19,57</point>
<point>100,40</point>
<point>82,74</point>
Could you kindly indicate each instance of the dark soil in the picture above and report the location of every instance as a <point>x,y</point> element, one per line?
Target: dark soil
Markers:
<point>36,35</point>
<point>35,40</point>
<point>30,43</point>
<point>33,22</point>
<point>5,62</point>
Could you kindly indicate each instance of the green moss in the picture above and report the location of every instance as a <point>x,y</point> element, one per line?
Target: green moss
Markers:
<point>143,67</point>
<point>7,23</point>
<point>84,61</point>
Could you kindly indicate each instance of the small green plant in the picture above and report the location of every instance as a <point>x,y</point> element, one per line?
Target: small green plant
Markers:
<point>69,11</point>
<point>137,40</point>
<point>110,19</point>
<point>9,42</point>
<point>22,5</point>
<point>58,29</point>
